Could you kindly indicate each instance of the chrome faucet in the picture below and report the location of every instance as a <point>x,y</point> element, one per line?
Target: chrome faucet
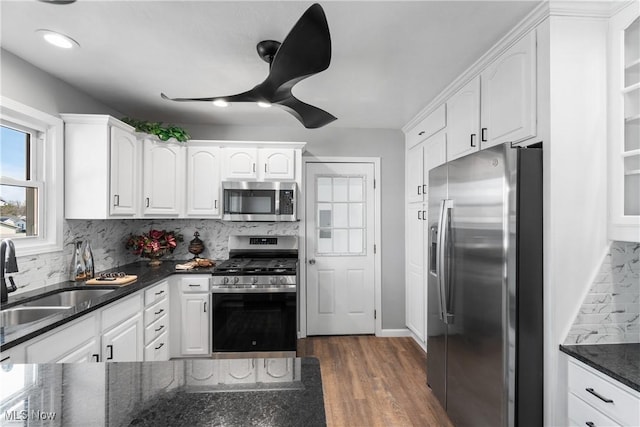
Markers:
<point>8,264</point>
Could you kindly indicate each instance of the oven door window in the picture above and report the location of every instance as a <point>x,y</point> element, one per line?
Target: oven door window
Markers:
<point>254,322</point>
<point>250,202</point>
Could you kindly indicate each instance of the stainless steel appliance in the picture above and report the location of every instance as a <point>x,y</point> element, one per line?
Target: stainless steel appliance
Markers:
<point>254,297</point>
<point>484,327</point>
<point>259,201</point>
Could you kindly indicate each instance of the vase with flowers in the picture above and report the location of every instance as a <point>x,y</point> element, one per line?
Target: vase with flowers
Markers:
<point>154,244</point>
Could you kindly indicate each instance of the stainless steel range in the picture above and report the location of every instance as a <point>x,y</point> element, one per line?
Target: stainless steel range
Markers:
<point>254,297</point>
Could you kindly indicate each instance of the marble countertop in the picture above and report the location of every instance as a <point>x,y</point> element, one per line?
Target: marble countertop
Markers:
<point>194,392</point>
<point>619,361</point>
<point>13,335</point>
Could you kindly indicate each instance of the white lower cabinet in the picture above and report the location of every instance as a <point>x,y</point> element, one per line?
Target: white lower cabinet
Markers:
<point>158,349</point>
<point>123,343</point>
<point>88,352</point>
<point>596,399</point>
<point>73,342</point>
<point>195,315</point>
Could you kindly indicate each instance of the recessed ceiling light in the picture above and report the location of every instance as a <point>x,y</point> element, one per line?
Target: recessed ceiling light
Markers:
<point>220,103</point>
<point>264,104</point>
<point>58,1</point>
<point>58,39</point>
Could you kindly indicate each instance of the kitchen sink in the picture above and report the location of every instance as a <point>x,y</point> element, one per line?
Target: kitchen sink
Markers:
<point>67,298</point>
<point>20,315</point>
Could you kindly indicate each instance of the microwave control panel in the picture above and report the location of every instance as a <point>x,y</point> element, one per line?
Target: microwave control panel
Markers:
<point>286,202</point>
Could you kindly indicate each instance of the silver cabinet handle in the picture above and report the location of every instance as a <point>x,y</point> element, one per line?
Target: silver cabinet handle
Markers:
<point>116,200</point>
<point>160,293</point>
<point>419,219</point>
<point>205,306</point>
<point>598,395</point>
<point>473,139</point>
<point>160,346</point>
<point>265,168</point>
<point>483,134</point>
<point>254,167</point>
<point>419,188</point>
<point>159,311</point>
<point>147,201</point>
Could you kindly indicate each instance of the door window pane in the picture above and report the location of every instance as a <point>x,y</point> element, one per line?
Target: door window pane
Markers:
<point>340,215</point>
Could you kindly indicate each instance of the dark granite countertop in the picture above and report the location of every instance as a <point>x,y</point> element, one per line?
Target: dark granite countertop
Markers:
<point>619,361</point>
<point>13,335</point>
<point>190,392</point>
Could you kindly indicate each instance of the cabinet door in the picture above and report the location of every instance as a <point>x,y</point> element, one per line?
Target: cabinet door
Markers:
<point>124,167</point>
<point>163,178</point>
<point>124,343</point>
<point>509,95</point>
<point>415,295</point>
<point>415,173</point>
<point>195,313</point>
<point>277,163</point>
<point>88,352</point>
<point>203,181</point>
<point>435,154</point>
<point>240,163</point>
<point>463,121</point>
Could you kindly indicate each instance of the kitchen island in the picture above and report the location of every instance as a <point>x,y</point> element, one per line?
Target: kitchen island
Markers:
<point>194,392</point>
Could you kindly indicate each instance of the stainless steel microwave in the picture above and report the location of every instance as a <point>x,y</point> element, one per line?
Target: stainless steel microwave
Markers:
<point>258,201</point>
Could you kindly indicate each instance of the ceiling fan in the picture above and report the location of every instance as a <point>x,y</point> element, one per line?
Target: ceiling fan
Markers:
<point>305,51</point>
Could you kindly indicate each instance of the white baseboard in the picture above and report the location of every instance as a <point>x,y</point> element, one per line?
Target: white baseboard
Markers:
<point>390,333</point>
<point>422,344</point>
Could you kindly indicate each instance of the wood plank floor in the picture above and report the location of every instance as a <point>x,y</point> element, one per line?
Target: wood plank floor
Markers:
<point>370,381</point>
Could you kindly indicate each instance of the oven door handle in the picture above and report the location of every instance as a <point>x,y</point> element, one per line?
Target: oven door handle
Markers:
<point>278,290</point>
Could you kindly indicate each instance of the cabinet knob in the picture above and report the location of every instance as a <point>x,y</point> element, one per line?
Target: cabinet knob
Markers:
<point>312,261</point>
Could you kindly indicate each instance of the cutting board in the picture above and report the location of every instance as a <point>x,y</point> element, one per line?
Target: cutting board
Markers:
<point>117,282</point>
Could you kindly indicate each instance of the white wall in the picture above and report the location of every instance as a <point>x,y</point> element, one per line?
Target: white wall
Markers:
<point>572,114</point>
<point>387,144</point>
<point>23,82</point>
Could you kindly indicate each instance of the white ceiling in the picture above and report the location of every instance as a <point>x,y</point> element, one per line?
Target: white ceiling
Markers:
<point>389,58</point>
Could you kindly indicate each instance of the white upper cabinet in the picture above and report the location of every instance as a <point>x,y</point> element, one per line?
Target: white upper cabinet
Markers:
<point>415,174</point>
<point>102,167</point>
<point>203,181</point>
<point>240,163</point>
<point>277,163</point>
<point>251,163</point>
<point>125,161</point>
<point>163,182</point>
<point>463,120</point>
<point>624,124</point>
<point>508,112</point>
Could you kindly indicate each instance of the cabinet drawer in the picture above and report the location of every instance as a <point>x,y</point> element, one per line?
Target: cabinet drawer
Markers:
<point>195,284</point>
<point>156,311</point>
<point>156,293</point>
<point>62,341</point>
<point>158,350</point>
<point>428,126</point>
<point>624,408</point>
<point>121,311</point>
<point>155,329</point>
<point>580,413</point>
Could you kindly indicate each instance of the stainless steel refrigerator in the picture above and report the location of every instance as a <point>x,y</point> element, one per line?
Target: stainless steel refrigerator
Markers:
<point>484,327</point>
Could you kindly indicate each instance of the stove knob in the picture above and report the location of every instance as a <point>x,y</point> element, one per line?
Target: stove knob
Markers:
<point>273,280</point>
<point>225,280</point>
<point>235,280</point>
<point>283,281</point>
<point>254,280</point>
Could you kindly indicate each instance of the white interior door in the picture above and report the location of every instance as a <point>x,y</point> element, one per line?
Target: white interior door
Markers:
<point>340,248</point>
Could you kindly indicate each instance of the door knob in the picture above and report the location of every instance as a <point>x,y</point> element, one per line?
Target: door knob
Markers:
<point>312,261</point>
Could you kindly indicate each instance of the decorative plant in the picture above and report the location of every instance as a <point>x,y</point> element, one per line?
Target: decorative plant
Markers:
<point>153,244</point>
<point>156,128</point>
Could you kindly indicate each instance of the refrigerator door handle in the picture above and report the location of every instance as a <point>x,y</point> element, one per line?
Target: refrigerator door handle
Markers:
<point>443,265</point>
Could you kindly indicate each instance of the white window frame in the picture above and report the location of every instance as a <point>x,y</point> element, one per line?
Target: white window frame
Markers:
<point>48,170</point>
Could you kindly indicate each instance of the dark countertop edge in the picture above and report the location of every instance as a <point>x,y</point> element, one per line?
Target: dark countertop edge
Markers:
<point>600,364</point>
<point>147,276</point>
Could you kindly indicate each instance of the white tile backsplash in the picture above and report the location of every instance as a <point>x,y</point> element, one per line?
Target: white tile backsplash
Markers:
<point>108,238</point>
<point>610,313</point>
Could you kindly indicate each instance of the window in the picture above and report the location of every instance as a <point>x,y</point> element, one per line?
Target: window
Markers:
<point>31,180</point>
<point>19,190</point>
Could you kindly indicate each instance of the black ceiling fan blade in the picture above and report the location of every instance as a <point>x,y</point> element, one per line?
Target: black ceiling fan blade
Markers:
<point>305,51</point>
<point>248,96</point>
<point>311,117</point>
